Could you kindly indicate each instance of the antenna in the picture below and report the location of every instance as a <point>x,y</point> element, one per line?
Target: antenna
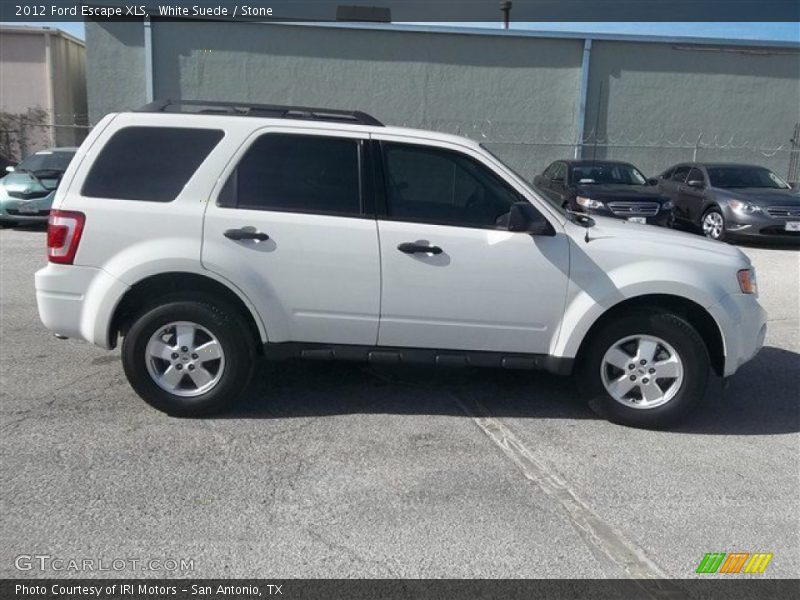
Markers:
<point>597,122</point>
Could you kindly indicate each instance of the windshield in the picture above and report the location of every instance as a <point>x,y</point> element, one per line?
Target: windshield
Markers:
<point>605,174</point>
<point>47,160</point>
<point>745,177</point>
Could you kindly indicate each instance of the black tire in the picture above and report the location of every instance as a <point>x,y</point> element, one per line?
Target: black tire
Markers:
<point>676,332</point>
<point>716,211</point>
<point>221,320</point>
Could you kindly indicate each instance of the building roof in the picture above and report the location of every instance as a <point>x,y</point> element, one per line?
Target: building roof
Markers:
<point>27,29</point>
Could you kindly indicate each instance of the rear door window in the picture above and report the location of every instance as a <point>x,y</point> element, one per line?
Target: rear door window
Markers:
<point>297,173</point>
<point>151,164</point>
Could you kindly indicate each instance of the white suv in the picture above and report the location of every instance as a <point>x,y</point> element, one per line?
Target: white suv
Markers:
<point>209,234</point>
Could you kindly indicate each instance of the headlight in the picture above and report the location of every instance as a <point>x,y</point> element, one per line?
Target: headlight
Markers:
<point>744,208</point>
<point>667,205</point>
<point>747,281</point>
<point>588,202</point>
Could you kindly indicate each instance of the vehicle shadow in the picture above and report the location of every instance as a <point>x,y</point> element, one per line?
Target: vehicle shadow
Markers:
<point>762,399</point>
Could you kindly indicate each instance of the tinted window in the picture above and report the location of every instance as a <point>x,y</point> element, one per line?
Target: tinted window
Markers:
<point>149,163</point>
<point>695,175</point>
<point>297,173</point>
<point>608,174</point>
<point>679,174</point>
<point>47,160</point>
<point>745,177</point>
<point>560,172</point>
<point>439,186</point>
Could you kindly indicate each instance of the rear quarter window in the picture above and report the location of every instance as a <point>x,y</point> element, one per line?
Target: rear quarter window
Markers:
<point>151,164</point>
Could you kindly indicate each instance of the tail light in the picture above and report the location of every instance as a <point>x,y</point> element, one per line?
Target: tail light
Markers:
<point>64,229</point>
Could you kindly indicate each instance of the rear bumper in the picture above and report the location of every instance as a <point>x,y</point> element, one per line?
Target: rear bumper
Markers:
<point>744,327</point>
<point>78,302</point>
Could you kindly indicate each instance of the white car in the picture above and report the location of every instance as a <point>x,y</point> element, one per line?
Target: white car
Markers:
<point>209,234</point>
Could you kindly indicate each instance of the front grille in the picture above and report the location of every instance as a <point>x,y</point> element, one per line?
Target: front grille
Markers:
<point>28,195</point>
<point>783,211</point>
<point>634,209</point>
<point>18,213</point>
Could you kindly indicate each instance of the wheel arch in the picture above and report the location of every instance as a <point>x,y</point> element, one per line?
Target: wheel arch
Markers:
<point>148,290</point>
<point>694,313</point>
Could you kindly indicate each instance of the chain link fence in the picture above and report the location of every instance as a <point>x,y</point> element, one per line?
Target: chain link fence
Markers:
<point>23,133</point>
<point>529,152</point>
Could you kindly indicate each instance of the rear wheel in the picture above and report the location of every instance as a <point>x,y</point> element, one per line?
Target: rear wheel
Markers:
<point>189,358</point>
<point>645,370</point>
<point>713,224</point>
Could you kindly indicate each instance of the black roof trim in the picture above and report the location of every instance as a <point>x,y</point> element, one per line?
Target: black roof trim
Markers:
<point>272,111</point>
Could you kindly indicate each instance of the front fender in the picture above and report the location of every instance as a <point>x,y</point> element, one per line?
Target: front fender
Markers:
<point>593,292</point>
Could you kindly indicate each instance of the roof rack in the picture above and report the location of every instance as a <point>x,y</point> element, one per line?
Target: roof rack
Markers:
<point>274,111</point>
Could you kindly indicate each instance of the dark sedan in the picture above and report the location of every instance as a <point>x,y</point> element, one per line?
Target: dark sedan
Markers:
<point>733,202</point>
<point>605,188</point>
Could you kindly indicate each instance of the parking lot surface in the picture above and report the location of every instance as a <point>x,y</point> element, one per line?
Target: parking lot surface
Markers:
<point>347,470</point>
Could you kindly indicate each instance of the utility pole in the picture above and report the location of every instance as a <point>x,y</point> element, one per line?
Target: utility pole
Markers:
<point>505,8</point>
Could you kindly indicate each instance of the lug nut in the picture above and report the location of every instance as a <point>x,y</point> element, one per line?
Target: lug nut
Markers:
<point>652,371</point>
<point>645,380</point>
<point>174,355</point>
<point>179,367</point>
<point>643,362</point>
<point>191,367</point>
<point>185,349</point>
<point>631,366</point>
<point>194,356</point>
<point>633,377</point>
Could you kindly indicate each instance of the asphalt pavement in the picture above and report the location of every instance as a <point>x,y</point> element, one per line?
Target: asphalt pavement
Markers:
<point>347,470</point>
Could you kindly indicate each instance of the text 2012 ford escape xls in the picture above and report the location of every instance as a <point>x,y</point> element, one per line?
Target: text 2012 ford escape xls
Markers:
<point>208,235</point>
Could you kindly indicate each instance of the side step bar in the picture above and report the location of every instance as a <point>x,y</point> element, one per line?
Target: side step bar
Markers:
<point>429,356</point>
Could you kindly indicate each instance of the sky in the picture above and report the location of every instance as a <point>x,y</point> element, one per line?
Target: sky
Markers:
<point>741,31</point>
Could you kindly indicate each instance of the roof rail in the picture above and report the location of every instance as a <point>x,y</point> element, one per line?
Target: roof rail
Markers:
<point>274,111</point>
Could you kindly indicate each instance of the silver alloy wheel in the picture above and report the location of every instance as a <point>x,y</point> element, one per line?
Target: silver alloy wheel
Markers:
<point>642,371</point>
<point>184,359</point>
<point>713,225</point>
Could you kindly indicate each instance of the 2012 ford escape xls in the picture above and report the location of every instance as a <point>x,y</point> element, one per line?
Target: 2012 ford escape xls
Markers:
<point>208,234</point>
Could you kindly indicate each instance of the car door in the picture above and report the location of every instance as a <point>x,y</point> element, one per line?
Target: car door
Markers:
<point>291,228</point>
<point>692,199</point>
<point>672,186</point>
<point>450,278</point>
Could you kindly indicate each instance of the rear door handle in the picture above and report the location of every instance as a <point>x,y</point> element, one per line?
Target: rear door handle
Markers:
<point>245,234</point>
<point>414,248</point>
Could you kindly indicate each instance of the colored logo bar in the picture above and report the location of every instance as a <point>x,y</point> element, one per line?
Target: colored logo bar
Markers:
<point>734,562</point>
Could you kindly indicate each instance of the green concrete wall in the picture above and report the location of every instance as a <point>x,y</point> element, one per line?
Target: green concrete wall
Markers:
<point>518,94</point>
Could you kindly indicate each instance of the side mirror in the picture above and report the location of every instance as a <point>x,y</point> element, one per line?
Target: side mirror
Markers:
<point>524,218</point>
<point>652,181</point>
<point>695,183</point>
<point>9,169</point>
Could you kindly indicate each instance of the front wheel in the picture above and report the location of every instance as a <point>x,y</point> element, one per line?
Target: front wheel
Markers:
<point>645,370</point>
<point>713,224</point>
<point>189,358</point>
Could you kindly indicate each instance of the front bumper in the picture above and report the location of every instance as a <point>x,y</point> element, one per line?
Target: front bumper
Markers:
<point>663,218</point>
<point>743,323</point>
<point>17,211</point>
<point>78,302</point>
<point>759,227</point>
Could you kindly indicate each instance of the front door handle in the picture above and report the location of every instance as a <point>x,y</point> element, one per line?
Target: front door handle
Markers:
<point>414,248</point>
<point>245,234</point>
